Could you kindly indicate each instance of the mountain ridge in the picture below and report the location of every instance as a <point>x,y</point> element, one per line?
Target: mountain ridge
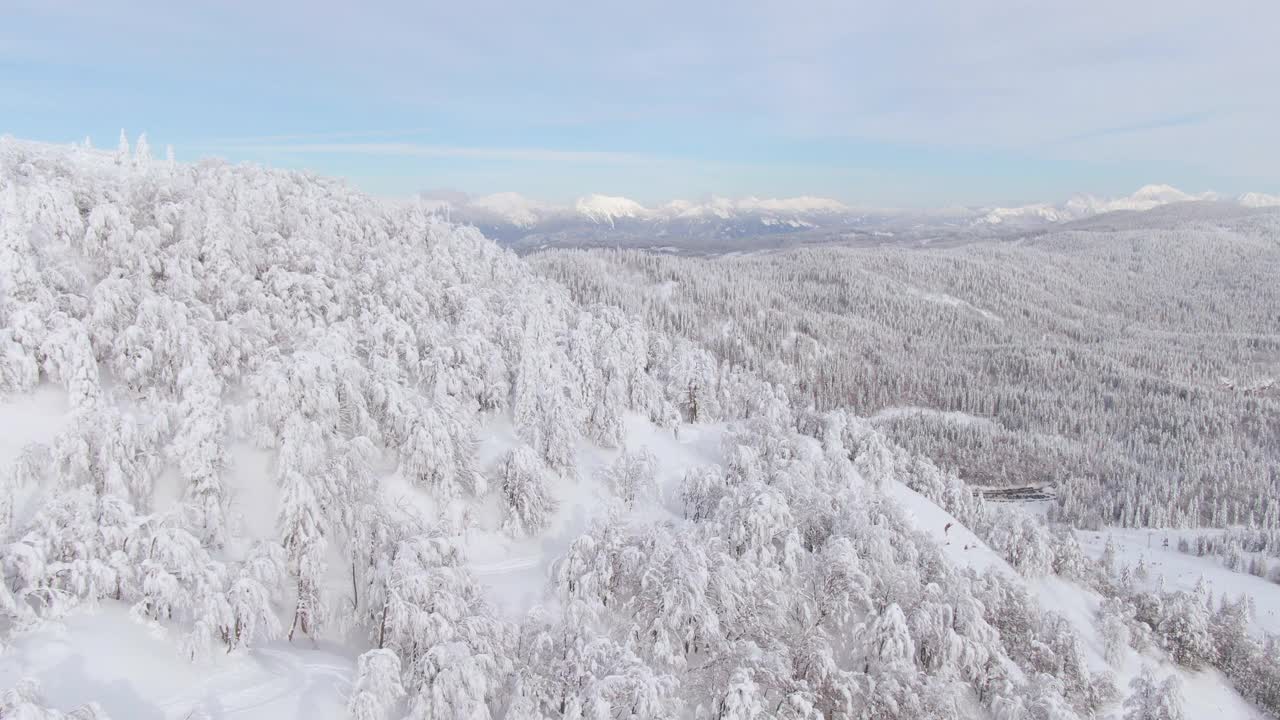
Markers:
<point>606,220</point>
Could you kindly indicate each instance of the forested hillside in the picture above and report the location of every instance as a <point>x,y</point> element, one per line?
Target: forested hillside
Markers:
<point>1135,370</point>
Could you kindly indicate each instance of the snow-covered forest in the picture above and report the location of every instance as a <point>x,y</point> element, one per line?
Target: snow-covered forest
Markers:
<point>274,448</point>
<point>1135,371</point>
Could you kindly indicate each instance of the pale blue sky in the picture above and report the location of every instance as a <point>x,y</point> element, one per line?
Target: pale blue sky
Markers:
<point>874,103</point>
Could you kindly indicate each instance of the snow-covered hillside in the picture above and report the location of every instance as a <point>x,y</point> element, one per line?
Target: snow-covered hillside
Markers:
<point>274,448</point>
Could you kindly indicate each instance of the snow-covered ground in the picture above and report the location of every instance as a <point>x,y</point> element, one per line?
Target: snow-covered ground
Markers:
<point>946,299</point>
<point>515,569</point>
<point>135,673</point>
<point>33,418</point>
<point>953,416</point>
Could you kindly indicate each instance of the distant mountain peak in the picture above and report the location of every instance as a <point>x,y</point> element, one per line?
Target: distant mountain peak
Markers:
<point>516,208</point>
<point>605,209</point>
<point>1146,197</point>
<point>1257,200</point>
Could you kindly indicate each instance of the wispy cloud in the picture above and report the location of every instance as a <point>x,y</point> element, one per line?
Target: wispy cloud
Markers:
<point>421,150</point>
<point>308,137</point>
<point>1164,123</point>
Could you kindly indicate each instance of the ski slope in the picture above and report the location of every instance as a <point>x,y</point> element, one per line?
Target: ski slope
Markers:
<point>1182,571</point>
<point>1207,694</point>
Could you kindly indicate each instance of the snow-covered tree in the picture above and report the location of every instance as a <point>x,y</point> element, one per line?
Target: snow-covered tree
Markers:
<point>529,503</point>
<point>632,476</point>
<point>742,699</point>
<point>1149,700</point>
<point>888,644</point>
<point>302,527</point>
<point>1185,629</point>
<point>1114,617</point>
<point>702,490</point>
<point>142,151</point>
<point>122,148</point>
<point>198,446</point>
<point>692,383</point>
<point>1023,542</point>
<point>253,618</point>
<point>435,618</point>
<point>377,688</point>
<point>1108,558</point>
<point>438,449</point>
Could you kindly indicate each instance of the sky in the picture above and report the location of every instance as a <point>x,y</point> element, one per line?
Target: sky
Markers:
<point>898,103</point>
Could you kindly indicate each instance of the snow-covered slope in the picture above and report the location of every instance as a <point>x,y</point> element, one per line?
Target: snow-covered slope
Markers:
<point>240,367</point>
<point>1207,693</point>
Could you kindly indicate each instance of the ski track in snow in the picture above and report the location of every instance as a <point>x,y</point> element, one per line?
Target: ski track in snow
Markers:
<point>287,679</point>
<point>505,567</point>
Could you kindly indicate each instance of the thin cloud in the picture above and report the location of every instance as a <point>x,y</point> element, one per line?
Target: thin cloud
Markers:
<point>400,149</point>
<point>347,135</point>
<point>1172,121</point>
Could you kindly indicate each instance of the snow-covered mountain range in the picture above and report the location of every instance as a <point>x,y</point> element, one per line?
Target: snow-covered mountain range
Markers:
<point>598,219</point>
<point>520,211</point>
<point>606,219</point>
<point>1147,197</point>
